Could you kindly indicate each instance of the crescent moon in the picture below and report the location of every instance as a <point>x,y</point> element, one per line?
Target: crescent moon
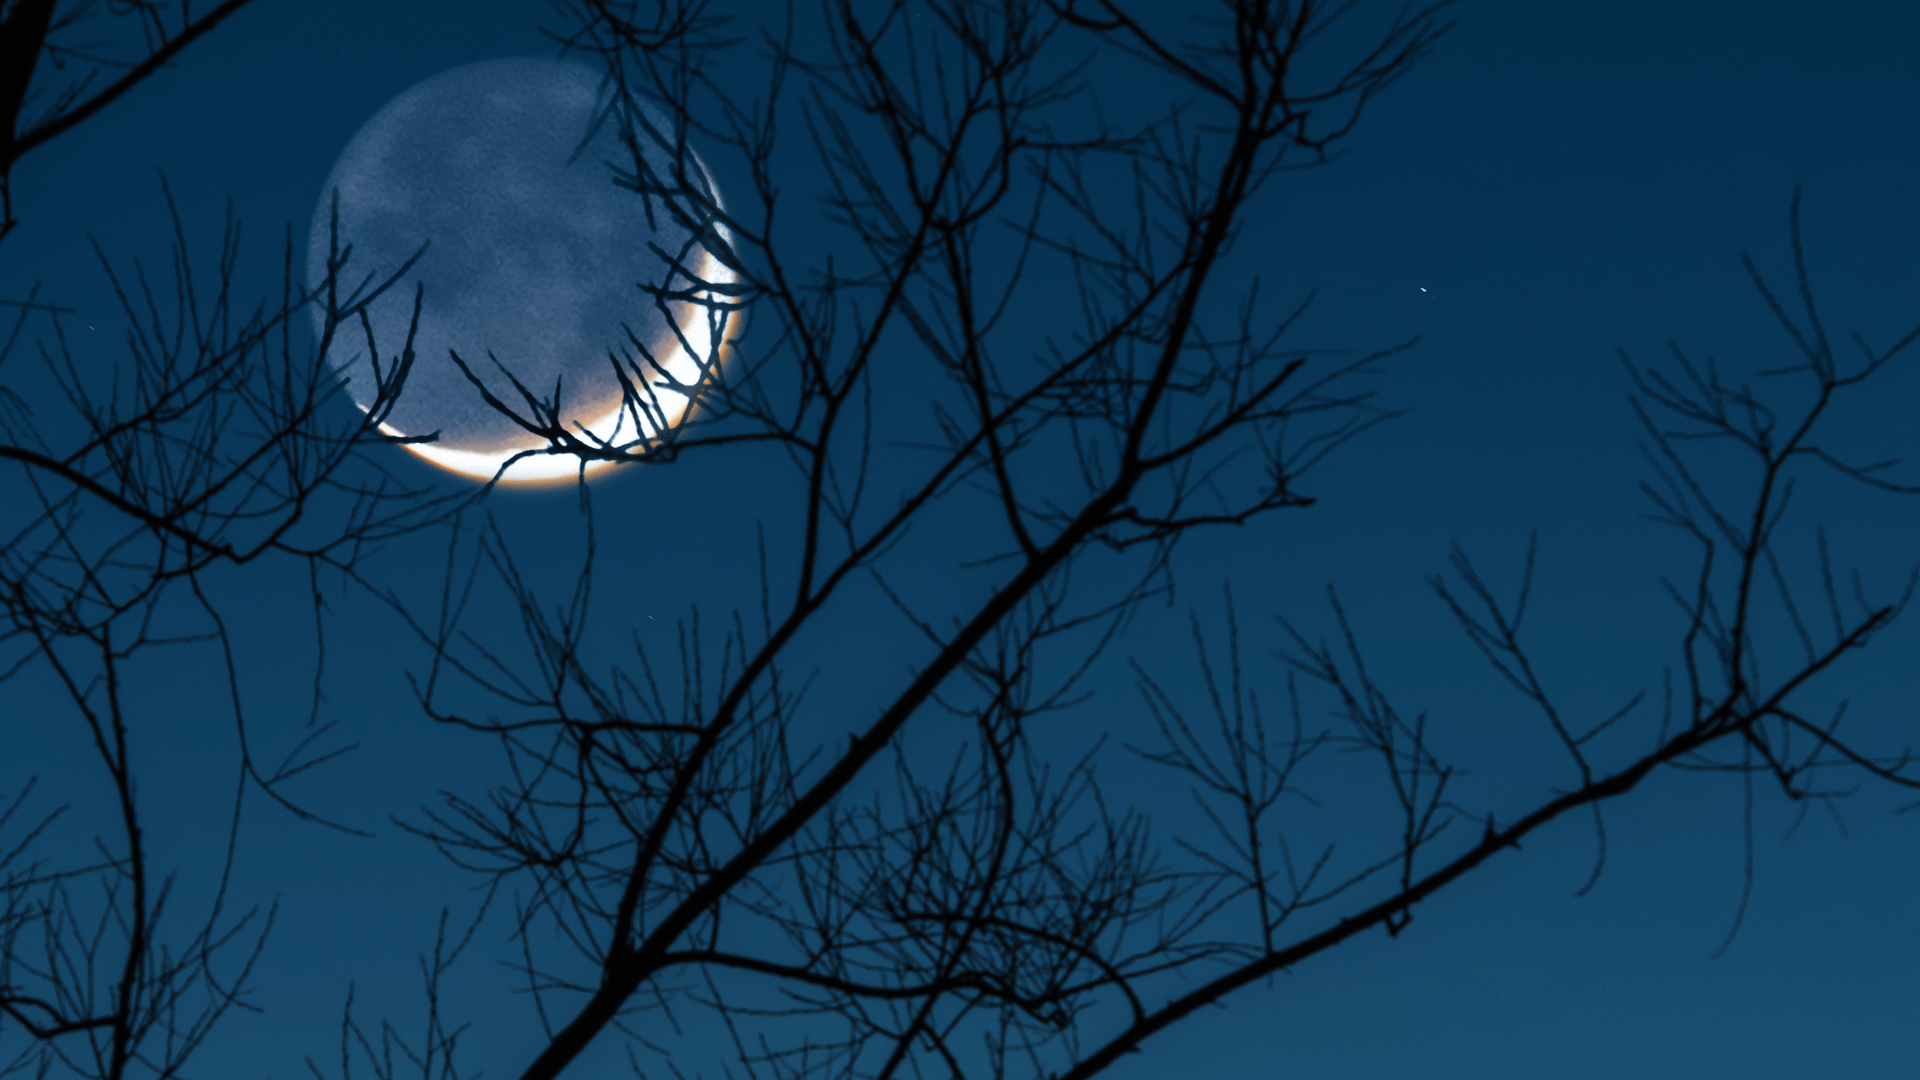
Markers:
<point>533,266</point>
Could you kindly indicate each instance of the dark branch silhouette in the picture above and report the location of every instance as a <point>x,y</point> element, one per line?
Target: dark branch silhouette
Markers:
<point>31,43</point>
<point>990,915</point>
<point>214,443</point>
<point>926,882</point>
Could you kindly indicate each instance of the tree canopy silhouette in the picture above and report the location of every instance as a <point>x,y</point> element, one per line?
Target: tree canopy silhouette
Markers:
<point>925,884</point>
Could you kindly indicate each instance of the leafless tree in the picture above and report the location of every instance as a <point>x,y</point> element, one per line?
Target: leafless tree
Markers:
<point>216,440</point>
<point>926,886</point>
<point>962,905</point>
<point>216,444</point>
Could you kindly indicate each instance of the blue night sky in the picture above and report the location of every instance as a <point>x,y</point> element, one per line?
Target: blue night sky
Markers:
<point>1557,183</point>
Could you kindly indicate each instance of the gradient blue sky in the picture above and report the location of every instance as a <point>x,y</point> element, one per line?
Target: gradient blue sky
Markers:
<point>1559,181</point>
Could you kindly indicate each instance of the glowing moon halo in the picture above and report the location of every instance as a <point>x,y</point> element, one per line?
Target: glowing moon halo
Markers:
<point>533,254</point>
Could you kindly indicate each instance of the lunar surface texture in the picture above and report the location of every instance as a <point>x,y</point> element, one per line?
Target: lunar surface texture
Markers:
<point>534,255</point>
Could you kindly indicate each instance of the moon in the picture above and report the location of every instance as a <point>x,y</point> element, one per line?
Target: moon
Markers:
<point>534,263</point>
